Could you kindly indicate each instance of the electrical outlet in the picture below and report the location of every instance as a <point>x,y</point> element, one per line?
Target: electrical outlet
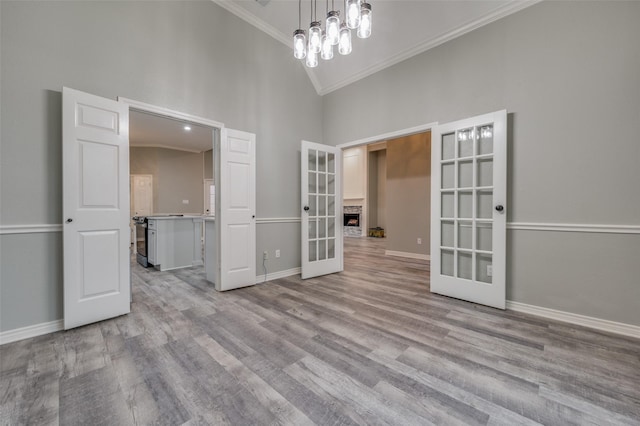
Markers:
<point>419,240</point>
<point>277,253</point>
<point>185,201</point>
<point>489,270</point>
<point>265,255</point>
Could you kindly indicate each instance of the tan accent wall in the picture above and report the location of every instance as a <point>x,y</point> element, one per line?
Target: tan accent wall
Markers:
<point>408,199</point>
<point>177,176</point>
<point>377,188</point>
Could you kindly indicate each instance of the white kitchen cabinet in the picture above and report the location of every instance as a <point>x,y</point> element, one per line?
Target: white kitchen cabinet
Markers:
<point>152,247</point>
<point>210,254</point>
<point>174,241</point>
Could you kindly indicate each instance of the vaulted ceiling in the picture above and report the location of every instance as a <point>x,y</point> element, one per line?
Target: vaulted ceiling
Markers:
<point>401,29</point>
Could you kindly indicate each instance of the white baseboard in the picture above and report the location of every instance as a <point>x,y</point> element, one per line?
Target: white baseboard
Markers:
<point>10,336</point>
<point>407,254</point>
<point>30,331</point>
<point>583,320</point>
<point>279,274</point>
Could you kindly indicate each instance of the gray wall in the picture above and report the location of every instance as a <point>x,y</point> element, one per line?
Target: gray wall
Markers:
<point>177,176</point>
<point>408,199</point>
<point>193,57</point>
<point>569,75</point>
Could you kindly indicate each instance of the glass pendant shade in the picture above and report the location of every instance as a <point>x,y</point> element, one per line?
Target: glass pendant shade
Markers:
<point>364,30</point>
<point>299,44</point>
<point>344,47</point>
<point>353,14</point>
<point>315,34</point>
<point>312,59</point>
<point>327,48</point>
<point>333,27</point>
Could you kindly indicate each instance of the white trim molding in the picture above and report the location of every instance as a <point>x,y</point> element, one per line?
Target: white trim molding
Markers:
<point>250,18</point>
<point>390,135</point>
<point>30,229</point>
<point>258,23</point>
<point>166,112</point>
<point>583,320</point>
<point>262,220</point>
<point>30,331</point>
<point>494,15</point>
<point>279,274</point>
<point>407,255</point>
<point>429,44</point>
<point>574,227</point>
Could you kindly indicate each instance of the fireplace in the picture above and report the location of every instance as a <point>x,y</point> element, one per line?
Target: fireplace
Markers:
<point>351,219</point>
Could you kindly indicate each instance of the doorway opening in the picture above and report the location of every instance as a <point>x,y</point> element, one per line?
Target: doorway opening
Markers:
<point>178,152</point>
<point>387,183</point>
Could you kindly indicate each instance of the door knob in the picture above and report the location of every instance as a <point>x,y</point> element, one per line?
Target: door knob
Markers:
<point>69,220</point>
<point>306,208</point>
<point>499,208</point>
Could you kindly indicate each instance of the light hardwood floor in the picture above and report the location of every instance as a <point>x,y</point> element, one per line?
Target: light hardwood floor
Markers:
<point>370,345</point>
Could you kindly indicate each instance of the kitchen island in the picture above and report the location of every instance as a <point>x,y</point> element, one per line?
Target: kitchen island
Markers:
<point>174,241</point>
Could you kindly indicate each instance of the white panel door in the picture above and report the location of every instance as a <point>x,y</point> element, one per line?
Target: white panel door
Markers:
<point>469,202</point>
<point>141,195</point>
<point>209,197</point>
<point>237,192</point>
<point>95,208</point>
<point>322,244</point>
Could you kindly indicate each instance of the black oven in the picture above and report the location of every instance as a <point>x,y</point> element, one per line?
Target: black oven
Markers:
<point>141,240</point>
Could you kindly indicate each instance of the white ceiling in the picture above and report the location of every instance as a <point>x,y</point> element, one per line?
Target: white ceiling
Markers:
<point>401,29</point>
<point>149,130</point>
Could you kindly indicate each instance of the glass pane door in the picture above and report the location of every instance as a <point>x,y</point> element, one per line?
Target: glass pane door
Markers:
<point>321,232</point>
<point>322,205</point>
<point>466,195</point>
<point>468,226</point>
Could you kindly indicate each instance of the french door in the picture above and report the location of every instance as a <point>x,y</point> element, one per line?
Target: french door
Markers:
<point>322,246</point>
<point>468,196</point>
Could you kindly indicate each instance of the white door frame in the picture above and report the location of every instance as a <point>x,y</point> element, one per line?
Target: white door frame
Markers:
<point>383,137</point>
<point>218,128</point>
<point>390,135</point>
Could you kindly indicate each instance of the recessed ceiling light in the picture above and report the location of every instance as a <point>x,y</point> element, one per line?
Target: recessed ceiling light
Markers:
<point>187,128</point>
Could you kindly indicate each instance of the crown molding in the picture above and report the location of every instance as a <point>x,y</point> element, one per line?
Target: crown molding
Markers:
<point>242,13</point>
<point>492,16</point>
<point>496,14</point>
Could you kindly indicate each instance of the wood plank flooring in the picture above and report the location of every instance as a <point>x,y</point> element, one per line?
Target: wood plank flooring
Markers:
<point>369,346</point>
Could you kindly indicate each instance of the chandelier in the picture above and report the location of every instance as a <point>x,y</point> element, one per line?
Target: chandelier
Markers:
<point>321,41</point>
